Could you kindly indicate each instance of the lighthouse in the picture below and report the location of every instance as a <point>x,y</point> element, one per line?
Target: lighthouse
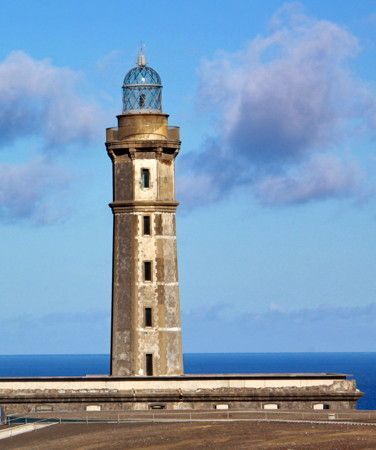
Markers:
<point>146,326</point>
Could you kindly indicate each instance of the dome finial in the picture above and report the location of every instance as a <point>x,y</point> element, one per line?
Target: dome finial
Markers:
<point>141,58</point>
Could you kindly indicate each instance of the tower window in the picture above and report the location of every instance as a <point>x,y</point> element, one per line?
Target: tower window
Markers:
<point>145,178</point>
<point>149,364</point>
<point>147,270</point>
<point>141,100</point>
<point>146,225</point>
<point>148,317</point>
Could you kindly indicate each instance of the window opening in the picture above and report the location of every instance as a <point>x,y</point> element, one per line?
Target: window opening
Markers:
<point>149,364</point>
<point>148,317</point>
<point>157,406</point>
<point>147,270</point>
<point>321,406</point>
<point>141,100</point>
<point>271,406</point>
<point>145,178</point>
<point>147,225</point>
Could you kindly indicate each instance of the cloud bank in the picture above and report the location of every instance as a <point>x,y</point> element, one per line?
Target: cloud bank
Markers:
<point>40,100</point>
<point>334,328</point>
<point>284,106</point>
<point>216,329</point>
<point>27,191</point>
<point>320,178</point>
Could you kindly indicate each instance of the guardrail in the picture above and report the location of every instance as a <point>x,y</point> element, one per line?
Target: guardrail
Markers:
<point>190,416</point>
<point>14,419</point>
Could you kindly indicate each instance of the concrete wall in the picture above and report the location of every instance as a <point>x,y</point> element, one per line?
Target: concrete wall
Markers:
<point>206,392</point>
<point>186,383</point>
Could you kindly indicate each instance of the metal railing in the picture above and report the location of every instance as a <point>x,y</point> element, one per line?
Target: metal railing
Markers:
<point>193,416</point>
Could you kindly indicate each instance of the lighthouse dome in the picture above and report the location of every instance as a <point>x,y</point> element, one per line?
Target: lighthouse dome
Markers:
<point>142,89</point>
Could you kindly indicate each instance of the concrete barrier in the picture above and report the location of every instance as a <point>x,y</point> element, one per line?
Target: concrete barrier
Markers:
<point>20,429</point>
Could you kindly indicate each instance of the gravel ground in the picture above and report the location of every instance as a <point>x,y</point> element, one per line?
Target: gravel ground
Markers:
<point>235,435</point>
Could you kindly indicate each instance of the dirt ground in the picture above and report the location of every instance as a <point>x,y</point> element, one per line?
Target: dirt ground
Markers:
<point>233,435</point>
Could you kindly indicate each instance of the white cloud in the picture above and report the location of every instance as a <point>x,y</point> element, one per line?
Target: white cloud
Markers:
<point>284,106</point>
<point>320,178</point>
<point>40,99</point>
<point>28,191</point>
<point>107,61</point>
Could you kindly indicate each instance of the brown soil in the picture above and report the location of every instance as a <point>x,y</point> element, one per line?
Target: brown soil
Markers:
<point>235,435</point>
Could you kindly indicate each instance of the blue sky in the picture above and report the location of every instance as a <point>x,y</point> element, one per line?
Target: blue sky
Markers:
<point>276,230</point>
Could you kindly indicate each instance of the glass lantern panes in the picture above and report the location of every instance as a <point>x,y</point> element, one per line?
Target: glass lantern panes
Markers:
<point>142,90</point>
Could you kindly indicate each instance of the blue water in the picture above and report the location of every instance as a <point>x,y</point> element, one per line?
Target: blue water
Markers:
<point>362,366</point>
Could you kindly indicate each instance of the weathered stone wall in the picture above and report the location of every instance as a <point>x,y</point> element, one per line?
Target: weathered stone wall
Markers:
<point>290,392</point>
<point>188,392</point>
<point>122,178</point>
<point>161,294</point>
<point>123,297</point>
<point>28,407</point>
<point>132,340</point>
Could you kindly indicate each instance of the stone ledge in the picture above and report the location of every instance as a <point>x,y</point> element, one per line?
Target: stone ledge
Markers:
<point>225,376</point>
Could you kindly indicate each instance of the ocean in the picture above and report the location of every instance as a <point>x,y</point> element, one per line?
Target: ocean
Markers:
<point>361,366</point>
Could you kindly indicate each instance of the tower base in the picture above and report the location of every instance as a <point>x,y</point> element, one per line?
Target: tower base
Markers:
<point>307,391</point>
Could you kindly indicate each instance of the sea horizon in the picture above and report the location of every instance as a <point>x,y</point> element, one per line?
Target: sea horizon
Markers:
<point>191,353</point>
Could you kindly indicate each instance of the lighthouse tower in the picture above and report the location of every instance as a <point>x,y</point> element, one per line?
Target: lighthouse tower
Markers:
<point>146,329</point>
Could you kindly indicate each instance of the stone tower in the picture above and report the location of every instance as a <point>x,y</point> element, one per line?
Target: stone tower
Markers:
<point>146,330</point>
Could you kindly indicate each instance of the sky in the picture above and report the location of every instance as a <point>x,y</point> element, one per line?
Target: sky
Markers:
<point>276,176</point>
